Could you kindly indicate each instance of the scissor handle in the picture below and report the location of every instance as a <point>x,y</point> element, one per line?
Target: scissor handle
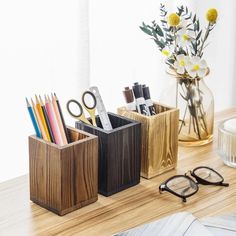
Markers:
<point>94,100</point>
<point>69,110</point>
<point>90,109</point>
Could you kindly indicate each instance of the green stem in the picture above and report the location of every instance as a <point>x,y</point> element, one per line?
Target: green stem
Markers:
<point>204,39</point>
<point>202,110</point>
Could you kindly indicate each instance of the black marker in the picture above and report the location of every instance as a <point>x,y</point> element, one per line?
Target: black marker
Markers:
<point>129,98</point>
<point>140,102</point>
<point>147,97</point>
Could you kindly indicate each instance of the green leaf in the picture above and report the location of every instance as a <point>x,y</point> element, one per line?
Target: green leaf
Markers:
<point>199,35</point>
<point>171,61</point>
<point>186,10</point>
<point>166,29</point>
<point>181,51</point>
<point>154,33</point>
<point>145,30</point>
<point>189,17</point>
<point>198,25</point>
<point>159,43</point>
<point>194,45</point>
<point>180,10</point>
<point>159,31</point>
<point>144,25</point>
<point>194,18</point>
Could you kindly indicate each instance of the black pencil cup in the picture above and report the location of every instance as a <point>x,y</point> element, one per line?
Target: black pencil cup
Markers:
<point>119,153</point>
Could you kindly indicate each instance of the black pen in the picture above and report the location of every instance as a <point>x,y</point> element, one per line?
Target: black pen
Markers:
<point>140,102</point>
<point>147,97</point>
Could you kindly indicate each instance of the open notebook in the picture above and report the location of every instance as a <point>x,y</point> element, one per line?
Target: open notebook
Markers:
<point>186,224</point>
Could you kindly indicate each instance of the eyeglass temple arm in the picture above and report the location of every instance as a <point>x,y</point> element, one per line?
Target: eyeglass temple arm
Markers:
<point>224,184</point>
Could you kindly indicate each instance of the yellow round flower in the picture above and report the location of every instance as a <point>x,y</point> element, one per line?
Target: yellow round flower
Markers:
<point>173,19</point>
<point>211,15</point>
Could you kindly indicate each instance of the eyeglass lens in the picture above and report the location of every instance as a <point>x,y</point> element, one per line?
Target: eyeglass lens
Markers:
<point>182,186</point>
<point>208,175</point>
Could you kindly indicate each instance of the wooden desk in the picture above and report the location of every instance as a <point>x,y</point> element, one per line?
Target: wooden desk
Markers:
<point>130,208</point>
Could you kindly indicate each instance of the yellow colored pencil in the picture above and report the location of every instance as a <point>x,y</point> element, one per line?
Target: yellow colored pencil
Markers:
<point>39,120</point>
<point>41,116</point>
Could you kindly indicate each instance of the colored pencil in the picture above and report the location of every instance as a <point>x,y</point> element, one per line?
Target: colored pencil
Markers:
<point>59,121</point>
<point>39,120</point>
<point>53,121</point>
<point>62,118</point>
<point>42,117</point>
<point>47,120</point>
<point>33,119</point>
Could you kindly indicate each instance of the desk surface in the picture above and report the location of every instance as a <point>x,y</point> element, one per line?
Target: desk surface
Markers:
<point>127,209</point>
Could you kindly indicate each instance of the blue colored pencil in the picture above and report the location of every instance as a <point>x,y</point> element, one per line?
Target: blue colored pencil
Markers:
<point>33,119</point>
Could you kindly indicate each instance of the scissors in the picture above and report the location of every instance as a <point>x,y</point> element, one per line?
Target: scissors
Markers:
<point>89,109</point>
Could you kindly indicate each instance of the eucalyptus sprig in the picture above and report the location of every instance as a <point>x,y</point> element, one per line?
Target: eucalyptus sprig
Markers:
<point>180,33</point>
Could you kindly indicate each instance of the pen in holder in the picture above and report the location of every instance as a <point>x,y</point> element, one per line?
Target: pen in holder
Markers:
<point>149,103</point>
<point>129,98</point>
<point>140,102</point>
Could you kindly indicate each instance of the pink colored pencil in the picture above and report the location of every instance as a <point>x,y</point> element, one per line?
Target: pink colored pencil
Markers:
<point>53,121</point>
<point>59,121</point>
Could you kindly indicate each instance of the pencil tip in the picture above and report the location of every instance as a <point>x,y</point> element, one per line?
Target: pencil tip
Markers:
<point>48,98</point>
<point>27,101</point>
<point>32,101</point>
<point>37,100</point>
<point>41,100</point>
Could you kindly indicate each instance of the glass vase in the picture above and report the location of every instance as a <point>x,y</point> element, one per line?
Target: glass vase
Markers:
<point>196,104</point>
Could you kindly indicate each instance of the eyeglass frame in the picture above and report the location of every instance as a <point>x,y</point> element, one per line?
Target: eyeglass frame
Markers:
<point>199,180</point>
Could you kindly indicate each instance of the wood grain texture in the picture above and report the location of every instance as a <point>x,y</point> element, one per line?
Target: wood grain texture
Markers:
<point>119,153</point>
<point>132,207</point>
<point>63,179</point>
<point>159,139</point>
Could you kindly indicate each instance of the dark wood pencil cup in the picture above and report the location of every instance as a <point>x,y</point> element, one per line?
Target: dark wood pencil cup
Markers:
<point>64,178</point>
<point>119,153</point>
<point>159,139</point>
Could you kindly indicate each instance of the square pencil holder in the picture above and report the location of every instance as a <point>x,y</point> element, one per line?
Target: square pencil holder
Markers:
<point>159,139</point>
<point>119,153</point>
<point>64,178</point>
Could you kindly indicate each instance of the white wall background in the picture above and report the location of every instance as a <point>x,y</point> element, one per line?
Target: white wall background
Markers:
<point>43,48</point>
<point>122,54</point>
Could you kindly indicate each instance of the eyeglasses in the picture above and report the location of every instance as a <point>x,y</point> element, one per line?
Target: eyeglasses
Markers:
<point>184,186</point>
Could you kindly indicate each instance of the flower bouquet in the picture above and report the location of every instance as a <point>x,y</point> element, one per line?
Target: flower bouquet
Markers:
<point>181,41</point>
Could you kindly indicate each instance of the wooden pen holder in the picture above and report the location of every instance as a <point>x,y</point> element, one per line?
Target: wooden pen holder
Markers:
<point>159,139</point>
<point>64,178</point>
<point>119,153</point>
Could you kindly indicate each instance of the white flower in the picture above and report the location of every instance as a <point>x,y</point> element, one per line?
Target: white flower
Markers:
<point>196,67</point>
<point>167,50</point>
<point>180,63</point>
<point>184,37</point>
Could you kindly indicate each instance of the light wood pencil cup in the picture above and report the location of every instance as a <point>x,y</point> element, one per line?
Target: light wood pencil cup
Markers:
<point>159,139</point>
<point>64,178</point>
